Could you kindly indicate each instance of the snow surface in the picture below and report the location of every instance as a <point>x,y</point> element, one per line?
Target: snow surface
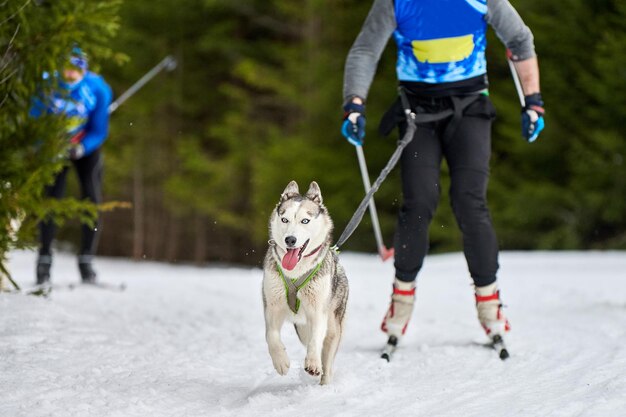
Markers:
<point>189,341</point>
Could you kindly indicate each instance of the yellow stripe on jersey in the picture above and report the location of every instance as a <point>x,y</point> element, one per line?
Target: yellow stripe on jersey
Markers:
<point>438,51</point>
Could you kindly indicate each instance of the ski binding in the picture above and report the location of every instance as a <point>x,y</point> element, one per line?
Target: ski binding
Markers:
<point>389,348</point>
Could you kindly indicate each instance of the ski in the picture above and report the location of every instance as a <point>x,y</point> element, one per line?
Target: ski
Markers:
<point>497,344</point>
<point>389,348</point>
<point>101,285</point>
<point>37,290</point>
<point>44,290</point>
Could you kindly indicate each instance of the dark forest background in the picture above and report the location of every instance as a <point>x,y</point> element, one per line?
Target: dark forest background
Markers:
<point>203,152</point>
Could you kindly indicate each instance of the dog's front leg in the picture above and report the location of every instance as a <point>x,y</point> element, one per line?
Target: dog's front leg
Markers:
<point>273,323</point>
<point>318,324</point>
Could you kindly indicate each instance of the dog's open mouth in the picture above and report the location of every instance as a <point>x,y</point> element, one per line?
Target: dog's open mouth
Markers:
<point>293,256</point>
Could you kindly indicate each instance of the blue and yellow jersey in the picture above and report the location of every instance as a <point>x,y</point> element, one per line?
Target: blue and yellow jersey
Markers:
<point>440,40</point>
<point>441,44</point>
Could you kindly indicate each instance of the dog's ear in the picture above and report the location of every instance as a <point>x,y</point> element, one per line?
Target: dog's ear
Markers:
<point>314,193</point>
<point>290,191</point>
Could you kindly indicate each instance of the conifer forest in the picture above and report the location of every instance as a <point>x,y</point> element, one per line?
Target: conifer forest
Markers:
<point>197,158</point>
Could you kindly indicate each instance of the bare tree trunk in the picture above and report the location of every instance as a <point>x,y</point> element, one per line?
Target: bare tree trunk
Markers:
<point>200,241</point>
<point>311,34</point>
<point>173,239</point>
<point>138,210</point>
<point>155,220</point>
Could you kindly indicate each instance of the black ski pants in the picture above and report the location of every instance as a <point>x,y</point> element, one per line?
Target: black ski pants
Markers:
<point>467,150</point>
<point>89,170</point>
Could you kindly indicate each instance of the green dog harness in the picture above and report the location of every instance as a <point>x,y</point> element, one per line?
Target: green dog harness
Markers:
<point>292,286</point>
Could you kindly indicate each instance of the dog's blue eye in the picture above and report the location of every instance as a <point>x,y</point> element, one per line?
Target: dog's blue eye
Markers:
<point>284,220</point>
<point>305,221</point>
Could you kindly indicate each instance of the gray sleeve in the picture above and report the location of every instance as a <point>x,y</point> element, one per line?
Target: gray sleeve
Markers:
<point>510,29</point>
<point>369,45</point>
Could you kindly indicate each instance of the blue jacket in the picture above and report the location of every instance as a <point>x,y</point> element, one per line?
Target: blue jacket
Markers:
<point>86,106</point>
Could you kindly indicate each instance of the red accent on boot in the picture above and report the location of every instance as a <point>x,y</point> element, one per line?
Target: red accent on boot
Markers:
<point>483,298</point>
<point>499,316</point>
<point>391,312</point>
<point>507,325</point>
<point>403,292</point>
<point>383,325</point>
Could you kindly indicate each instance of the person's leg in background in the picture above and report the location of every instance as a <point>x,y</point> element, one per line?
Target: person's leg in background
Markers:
<point>89,170</point>
<point>47,230</point>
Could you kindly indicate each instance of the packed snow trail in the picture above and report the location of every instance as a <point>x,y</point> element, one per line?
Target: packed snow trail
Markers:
<point>189,341</point>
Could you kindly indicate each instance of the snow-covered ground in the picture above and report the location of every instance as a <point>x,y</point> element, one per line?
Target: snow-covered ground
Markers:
<point>188,341</point>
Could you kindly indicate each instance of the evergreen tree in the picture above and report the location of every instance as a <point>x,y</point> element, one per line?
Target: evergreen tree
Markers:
<point>35,37</point>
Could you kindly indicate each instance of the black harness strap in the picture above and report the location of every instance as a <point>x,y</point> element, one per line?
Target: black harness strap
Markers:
<point>459,104</point>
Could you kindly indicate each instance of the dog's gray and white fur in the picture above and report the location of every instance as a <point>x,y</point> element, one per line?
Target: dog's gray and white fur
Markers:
<point>300,239</point>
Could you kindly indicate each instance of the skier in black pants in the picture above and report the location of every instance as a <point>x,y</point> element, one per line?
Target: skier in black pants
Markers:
<point>83,97</point>
<point>441,66</point>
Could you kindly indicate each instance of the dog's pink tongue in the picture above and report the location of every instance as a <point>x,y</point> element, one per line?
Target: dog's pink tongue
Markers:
<point>290,259</point>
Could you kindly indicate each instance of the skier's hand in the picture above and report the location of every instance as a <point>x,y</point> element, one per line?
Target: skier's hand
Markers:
<point>532,117</point>
<point>77,151</point>
<point>353,127</point>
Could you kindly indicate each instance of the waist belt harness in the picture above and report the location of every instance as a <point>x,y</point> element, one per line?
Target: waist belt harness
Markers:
<point>397,113</point>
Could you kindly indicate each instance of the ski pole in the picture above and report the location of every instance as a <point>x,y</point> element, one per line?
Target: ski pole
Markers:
<point>168,63</point>
<point>516,80</point>
<point>382,249</point>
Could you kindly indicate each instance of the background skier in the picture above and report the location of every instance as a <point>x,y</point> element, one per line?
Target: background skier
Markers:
<point>83,98</point>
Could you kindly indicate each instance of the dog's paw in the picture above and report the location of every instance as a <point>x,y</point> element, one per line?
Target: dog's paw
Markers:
<point>326,379</point>
<point>313,366</point>
<point>281,362</point>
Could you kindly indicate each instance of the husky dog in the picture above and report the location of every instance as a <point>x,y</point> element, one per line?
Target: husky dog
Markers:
<point>303,282</point>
